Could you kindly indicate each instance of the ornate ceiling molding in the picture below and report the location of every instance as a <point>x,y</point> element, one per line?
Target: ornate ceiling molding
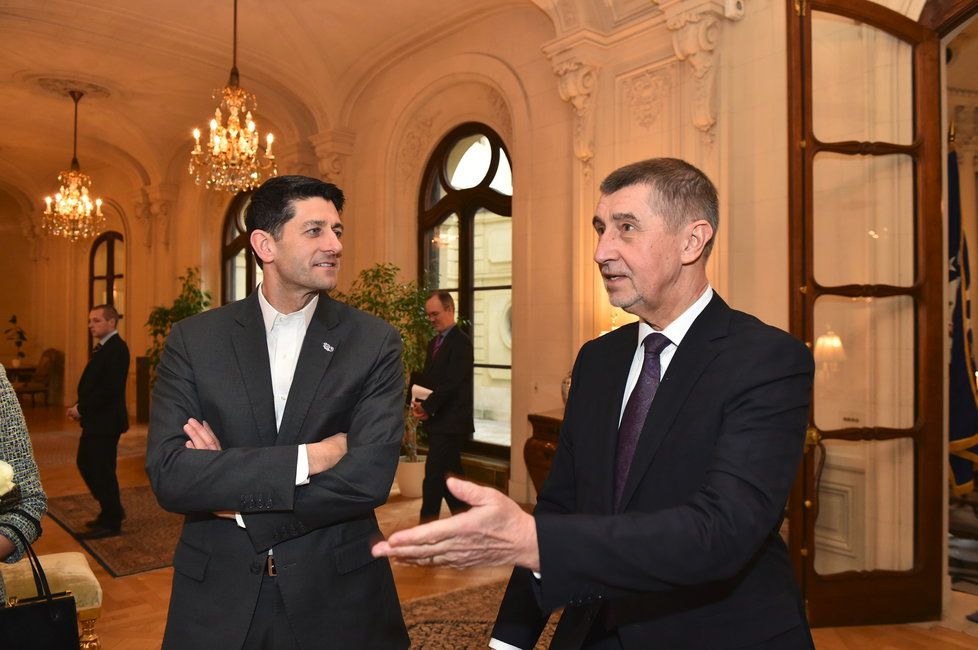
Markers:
<point>333,150</point>
<point>154,207</point>
<point>696,27</point>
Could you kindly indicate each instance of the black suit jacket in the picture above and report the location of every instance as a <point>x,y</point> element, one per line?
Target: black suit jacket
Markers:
<point>694,560</point>
<point>348,379</point>
<point>449,375</point>
<point>102,390</point>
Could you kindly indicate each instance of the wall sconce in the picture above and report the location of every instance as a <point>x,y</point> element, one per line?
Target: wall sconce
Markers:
<point>829,351</point>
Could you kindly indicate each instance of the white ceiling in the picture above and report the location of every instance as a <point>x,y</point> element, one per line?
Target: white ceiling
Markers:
<point>151,68</point>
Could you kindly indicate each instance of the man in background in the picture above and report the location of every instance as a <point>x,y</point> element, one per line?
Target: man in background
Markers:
<point>658,524</point>
<point>101,409</point>
<point>446,414</point>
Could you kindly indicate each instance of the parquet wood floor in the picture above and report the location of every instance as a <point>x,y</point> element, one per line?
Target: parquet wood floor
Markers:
<point>134,607</point>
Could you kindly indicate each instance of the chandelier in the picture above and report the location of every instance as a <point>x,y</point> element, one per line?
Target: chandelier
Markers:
<point>72,214</point>
<point>232,159</point>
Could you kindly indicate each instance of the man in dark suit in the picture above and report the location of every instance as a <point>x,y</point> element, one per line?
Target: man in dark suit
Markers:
<point>101,409</point>
<point>658,524</point>
<point>447,411</point>
<point>275,429</point>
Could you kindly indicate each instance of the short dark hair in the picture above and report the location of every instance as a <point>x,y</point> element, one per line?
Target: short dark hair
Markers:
<point>108,312</point>
<point>273,203</point>
<point>679,192</point>
<point>447,302</point>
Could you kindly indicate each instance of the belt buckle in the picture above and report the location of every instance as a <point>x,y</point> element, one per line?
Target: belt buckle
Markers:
<point>270,566</point>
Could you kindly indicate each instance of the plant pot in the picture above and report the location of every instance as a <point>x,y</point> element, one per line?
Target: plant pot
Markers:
<point>410,476</point>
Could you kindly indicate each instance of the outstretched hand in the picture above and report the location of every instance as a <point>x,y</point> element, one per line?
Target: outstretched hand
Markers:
<point>494,532</point>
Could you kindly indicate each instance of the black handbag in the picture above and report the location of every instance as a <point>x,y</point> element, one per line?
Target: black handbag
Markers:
<point>43,622</point>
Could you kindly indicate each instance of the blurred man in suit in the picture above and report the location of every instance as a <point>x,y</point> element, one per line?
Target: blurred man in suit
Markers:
<point>101,409</point>
<point>658,524</point>
<point>446,413</point>
<point>275,429</point>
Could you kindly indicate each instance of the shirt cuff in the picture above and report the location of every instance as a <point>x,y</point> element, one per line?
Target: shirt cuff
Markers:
<point>496,644</point>
<point>302,467</point>
<point>238,518</point>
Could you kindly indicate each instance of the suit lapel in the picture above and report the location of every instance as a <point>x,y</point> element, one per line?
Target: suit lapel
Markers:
<point>251,351</point>
<point>323,338</point>
<point>698,348</point>
<point>619,362</point>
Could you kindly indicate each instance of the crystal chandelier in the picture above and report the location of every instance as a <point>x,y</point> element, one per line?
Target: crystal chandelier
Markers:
<point>72,214</point>
<point>232,159</point>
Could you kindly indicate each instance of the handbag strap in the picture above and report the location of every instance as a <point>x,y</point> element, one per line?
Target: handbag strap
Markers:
<point>40,579</point>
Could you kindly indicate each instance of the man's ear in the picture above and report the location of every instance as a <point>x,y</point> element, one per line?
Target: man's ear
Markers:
<point>263,244</point>
<point>698,233</point>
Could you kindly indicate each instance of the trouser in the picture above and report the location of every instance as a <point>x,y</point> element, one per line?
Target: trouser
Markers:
<point>96,462</point>
<point>270,629</point>
<point>444,457</point>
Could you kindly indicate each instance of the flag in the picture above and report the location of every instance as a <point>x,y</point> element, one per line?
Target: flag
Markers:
<point>962,391</point>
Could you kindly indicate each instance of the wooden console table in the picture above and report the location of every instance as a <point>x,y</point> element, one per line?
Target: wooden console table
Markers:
<point>539,450</point>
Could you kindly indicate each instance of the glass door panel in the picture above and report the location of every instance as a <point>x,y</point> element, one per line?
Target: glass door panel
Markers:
<point>865,517</point>
<point>864,362</point>
<point>442,253</point>
<point>863,212</point>
<point>862,82</point>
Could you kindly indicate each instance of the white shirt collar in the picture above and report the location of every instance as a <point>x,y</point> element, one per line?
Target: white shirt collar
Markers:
<point>105,338</point>
<point>677,329</point>
<point>269,314</point>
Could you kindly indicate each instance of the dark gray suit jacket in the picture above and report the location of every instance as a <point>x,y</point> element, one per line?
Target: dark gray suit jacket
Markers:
<point>694,559</point>
<point>348,379</point>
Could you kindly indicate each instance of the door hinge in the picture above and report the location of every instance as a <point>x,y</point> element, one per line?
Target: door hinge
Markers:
<point>812,438</point>
<point>800,7</point>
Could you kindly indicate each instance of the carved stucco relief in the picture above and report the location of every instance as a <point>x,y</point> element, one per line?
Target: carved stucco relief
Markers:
<point>645,95</point>
<point>416,138</point>
<point>576,85</point>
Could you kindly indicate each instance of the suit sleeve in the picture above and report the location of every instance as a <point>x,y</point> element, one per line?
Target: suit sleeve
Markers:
<point>361,481</point>
<point>458,370</point>
<point>188,480</point>
<point>522,616</point>
<point>719,528</point>
<point>110,380</point>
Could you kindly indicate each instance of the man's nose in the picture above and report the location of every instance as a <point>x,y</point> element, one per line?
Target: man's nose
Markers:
<point>605,249</point>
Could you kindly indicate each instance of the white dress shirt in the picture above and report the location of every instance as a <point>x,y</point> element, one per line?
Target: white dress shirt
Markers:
<point>675,332</point>
<point>284,334</point>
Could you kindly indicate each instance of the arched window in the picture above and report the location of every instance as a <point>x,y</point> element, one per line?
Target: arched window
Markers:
<point>465,247</point>
<point>106,272</point>
<point>240,273</point>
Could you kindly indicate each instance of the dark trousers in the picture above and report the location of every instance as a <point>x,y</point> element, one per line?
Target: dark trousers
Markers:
<point>444,457</point>
<point>96,462</point>
<point>270,629</point>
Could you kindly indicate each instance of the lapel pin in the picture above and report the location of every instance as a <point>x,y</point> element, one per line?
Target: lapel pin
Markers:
<point>327,346</point>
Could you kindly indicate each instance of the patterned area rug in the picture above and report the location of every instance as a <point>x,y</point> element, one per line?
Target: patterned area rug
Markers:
<point>54,448</point>
<point>149,533</point>
<point>459,619</point>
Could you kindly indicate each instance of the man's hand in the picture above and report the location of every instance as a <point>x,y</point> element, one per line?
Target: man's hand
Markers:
<point>418,411</point>
<point>73,413</point>
<point>201,436</point>
<point>324,454</point>
<point>495,532</point>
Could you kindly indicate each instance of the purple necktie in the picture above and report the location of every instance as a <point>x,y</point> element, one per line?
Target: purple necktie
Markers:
<point>633,419</point>
<point>437,345</point>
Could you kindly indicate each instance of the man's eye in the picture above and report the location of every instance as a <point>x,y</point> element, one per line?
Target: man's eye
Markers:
<point>338,233</point>
<point>314,231</point>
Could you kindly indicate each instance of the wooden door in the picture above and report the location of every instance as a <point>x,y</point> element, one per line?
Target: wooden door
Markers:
<point>867,278</point>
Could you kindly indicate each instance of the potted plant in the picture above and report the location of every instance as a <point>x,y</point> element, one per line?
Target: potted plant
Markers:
<point>377,291</point>
<point>16,334</point>
<point>192,300</point>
